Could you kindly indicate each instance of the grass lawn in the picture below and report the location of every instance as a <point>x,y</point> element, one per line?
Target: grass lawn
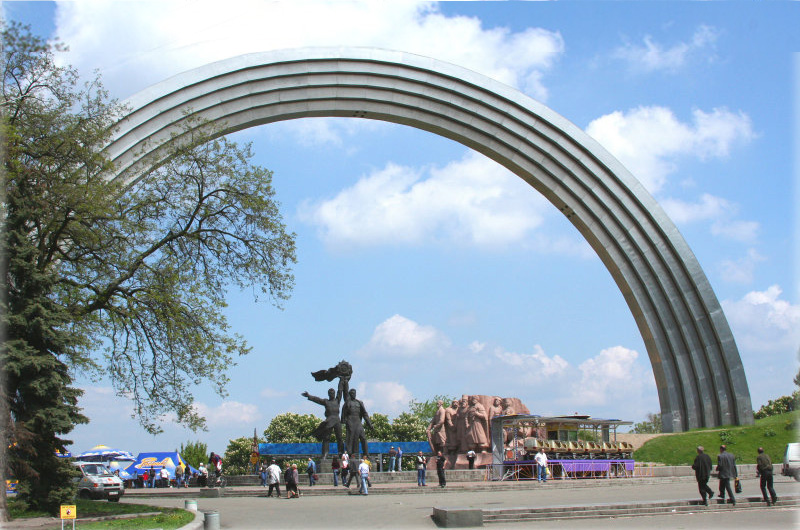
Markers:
<point>168,518</point>
<point>771,433</point>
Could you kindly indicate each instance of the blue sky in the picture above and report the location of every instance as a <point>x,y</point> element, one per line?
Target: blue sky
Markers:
<point>502,296</point>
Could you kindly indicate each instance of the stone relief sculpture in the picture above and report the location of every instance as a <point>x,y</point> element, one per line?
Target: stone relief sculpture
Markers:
<point>467,422</point>
<point>451,432</point>
<point>436,429</point>
<point>477,438</point>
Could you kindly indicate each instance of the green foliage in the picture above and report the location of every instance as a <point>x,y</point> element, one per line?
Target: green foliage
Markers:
<point>781,405</point>
<point>768,433</point>
<point>425,410</point>
<point>408,427</point>
<point>194,453</point>
<point>237,456</point>
<point>141,266</point>
<point>291,428</point>
<point>650,426</point>
<point>726,437</point>
<point>680,448</point>
<point>381,428</point>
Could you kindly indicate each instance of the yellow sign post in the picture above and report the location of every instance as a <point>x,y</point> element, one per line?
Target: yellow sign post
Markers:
<point>68,511</point>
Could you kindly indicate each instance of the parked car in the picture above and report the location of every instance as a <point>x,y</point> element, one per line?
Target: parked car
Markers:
<point>791,461</point>
<point>98,482</point>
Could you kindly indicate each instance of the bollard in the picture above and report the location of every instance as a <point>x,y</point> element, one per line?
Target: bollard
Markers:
<point>190,504</point>
<point>211,520</point>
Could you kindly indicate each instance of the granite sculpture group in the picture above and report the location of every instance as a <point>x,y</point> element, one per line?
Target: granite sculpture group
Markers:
<point>465,425</point>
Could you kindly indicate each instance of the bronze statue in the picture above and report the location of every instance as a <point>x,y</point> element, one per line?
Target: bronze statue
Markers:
<point>352,414</point>
<point>331,422</point>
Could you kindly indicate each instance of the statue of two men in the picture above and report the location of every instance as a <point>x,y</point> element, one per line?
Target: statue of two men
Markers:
<point>353,412</point>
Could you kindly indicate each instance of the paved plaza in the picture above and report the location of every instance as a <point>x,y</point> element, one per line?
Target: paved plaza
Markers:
<point>405,507</point>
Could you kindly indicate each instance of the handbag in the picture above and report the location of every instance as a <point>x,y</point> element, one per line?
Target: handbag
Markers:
<point>737,486</point>
<point>316,477</point>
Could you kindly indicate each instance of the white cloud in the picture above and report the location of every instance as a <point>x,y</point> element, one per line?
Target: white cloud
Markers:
<point>139,43</point>
<point>716,209</point>
<point>612,374</point>
<point>742,270</point>
<point>652,56</point>
<point>472,201</point>
<point>534,364</point>
<point>764,323</point>
<point>649,141</point>
<point>229,413</point>
<point>386,397</point>
<point>399,336</point>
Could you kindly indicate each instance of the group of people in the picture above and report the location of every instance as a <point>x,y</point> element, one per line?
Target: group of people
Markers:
<point>728,474</point>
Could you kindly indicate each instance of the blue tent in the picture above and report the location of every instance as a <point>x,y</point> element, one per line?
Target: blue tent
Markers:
<point>169,460</point>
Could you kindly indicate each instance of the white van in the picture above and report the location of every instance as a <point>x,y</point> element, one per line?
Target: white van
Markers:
<point>98,482</point>
<point>791,461</point>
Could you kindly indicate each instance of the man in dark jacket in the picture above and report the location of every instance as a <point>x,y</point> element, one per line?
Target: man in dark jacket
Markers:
<point>702,472</point>
<point>440,462</point>
<point>726,466</point>
<point>764,470</point>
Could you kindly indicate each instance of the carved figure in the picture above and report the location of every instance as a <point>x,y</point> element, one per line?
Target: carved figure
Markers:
<point>508,410</point>
<point>461,423</point>
<point>352,414</point>
<point>450,429</point>
<point>477,437</point>
<point>436,430</point>
<point>331,422</point>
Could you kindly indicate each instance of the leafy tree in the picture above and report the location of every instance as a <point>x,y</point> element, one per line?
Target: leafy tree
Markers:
<point>408,427</point>
<point>381,428</point>
<point>651,425</point>
<point>237,456</point>
<point>140,266</point>
<point>291,428</point>
<point>194,453</point>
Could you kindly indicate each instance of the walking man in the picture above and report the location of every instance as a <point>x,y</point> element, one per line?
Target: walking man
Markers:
<point>541,465</point>
<point>440,462</point>
<point>726,466</point>
<point>399,458</point>
<point>392,458</point>
<point>363,471</point>
<point>274,479</point>
<point>764,471</point>
<point>702,471</point>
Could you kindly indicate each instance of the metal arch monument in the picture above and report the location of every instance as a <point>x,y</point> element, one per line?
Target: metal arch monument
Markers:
<point>697,367</point>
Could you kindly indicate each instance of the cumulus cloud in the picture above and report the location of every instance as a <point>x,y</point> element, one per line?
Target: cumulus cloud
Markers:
<point>399,336</point>
<point>228,413</point>
<point>650,56</point>
<point>472,201</point>
<point>763,322</point>
<point>387,397</point>
<point>612,374</point>
<point>139,43</point>
<point>649,141</point>
<point>534,364</point>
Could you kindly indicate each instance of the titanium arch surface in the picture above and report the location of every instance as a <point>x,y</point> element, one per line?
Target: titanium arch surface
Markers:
<point>698,371</point>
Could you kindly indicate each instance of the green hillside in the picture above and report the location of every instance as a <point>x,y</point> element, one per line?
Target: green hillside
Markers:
<point>771,433</point>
